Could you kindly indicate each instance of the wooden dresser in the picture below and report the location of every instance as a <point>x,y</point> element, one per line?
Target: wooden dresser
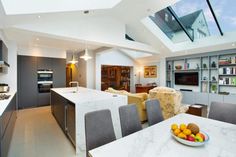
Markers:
<point>144,89</point>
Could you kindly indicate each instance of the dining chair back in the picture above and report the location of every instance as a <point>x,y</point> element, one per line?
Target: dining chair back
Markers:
<point>154,112</point>
<point>225,112</point>
<point>98,129</point>
<point>129,119</point>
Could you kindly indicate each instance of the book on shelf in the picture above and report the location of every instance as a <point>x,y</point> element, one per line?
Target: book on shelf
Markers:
<point>226,61</point>
<point>227,71</point>
<point>227,81</point>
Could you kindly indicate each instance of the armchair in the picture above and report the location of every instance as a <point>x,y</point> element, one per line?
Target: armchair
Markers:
<point>138,99</point>
<point>170,101</point>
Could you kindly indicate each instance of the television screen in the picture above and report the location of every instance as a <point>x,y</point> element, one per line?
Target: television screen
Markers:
<point>186,78</point>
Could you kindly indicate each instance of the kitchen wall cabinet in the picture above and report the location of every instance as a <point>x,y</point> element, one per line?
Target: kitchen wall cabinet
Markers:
<point>28,80</point>
<point>59,72</point>
<point>27,89</point>
<point>7,123</point>
<point>43,99</point>
<point>44,63</point>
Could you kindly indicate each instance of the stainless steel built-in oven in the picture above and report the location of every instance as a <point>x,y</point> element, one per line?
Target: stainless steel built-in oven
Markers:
<point>45,80</point>
<point>45,75</point>
<point>44,86</point>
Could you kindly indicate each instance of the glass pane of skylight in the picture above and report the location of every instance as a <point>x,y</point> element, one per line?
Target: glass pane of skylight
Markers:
<point>196,16</point>
<point>167,23</point>
<point>225,11</point>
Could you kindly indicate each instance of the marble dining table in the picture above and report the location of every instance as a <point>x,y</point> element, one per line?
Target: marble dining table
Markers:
<point>156,141</point>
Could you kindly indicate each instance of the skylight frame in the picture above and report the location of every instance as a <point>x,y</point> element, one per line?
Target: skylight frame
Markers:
<point>180,23</point>
<point>217,27</point>
<point>214,16</point>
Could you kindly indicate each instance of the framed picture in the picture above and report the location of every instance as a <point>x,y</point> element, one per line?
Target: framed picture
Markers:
<point>150,71</point>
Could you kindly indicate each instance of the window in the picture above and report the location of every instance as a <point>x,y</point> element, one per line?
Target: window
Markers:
<point>193,19</point>
<point>170,27</point>
<point>225,13</point>
<point>200,34</point>
<point>166,17</point>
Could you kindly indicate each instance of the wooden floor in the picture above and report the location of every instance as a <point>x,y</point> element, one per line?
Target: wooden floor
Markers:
<point>37,134</point>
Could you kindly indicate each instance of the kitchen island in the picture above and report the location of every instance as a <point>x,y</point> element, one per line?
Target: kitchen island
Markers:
<point>69,105</point>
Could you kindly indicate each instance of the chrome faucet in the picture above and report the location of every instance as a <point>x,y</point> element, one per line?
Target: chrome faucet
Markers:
<point>77,85</point>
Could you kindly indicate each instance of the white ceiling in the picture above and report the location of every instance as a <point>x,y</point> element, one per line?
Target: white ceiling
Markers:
<point>16,7</point>
<point>29,39</point>
<point>130,13</point>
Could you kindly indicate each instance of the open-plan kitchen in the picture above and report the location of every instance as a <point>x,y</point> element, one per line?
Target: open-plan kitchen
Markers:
<point>120,78</point>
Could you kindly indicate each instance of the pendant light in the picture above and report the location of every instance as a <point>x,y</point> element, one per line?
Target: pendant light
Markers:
<point>73,61</point>
<point>86,56</point>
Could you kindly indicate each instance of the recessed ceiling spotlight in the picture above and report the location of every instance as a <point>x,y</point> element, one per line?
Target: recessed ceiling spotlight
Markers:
<point>39,16</point>
<point>86,12</point>
<point>233,44</point>
<point>37,39</point>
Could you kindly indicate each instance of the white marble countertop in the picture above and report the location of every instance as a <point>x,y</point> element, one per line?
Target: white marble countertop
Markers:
<point>84,94</point>
<point>156,141</point>
<point>5,103</point>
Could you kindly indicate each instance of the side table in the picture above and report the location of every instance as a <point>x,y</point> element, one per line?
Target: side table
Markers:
<point>198,110</point>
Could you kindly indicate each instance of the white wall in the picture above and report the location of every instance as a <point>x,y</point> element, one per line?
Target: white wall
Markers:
<point>40,51</point>
<point>145,81</point>
<point>114,57</point>
<point>11,76</point>
<point>161,71</point>
<point>91,69</point>
<point>82,67</point>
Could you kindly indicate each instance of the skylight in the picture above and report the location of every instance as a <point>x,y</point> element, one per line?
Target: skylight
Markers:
<point>167,23</point>
<point>190,20</point>
<point>197,18</point>
<point>225,13</point>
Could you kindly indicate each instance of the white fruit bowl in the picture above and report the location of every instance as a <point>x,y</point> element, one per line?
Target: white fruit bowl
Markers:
<point>190,143</point>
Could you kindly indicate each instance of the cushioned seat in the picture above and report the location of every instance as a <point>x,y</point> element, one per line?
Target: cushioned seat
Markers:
<point>154,113</point>
<point>170,101</point>
<point>129,119</point>
<point>224,112</point>
<point>137,98</point>
<point>98,129</point>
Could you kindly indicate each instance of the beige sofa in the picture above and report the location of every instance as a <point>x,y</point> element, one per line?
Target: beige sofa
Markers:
<point>137,99</point>
<point>170,101</point>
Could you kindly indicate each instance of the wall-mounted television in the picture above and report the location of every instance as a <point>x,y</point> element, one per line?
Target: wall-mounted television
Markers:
<point>186,78</point>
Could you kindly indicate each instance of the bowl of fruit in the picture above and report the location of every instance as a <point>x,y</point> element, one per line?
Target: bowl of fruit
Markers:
<point>190,134</point>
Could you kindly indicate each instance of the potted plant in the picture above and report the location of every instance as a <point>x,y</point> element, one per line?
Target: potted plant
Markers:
<point>213,88</point>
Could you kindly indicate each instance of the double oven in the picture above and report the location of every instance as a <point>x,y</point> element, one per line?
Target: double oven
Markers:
<point>45,80</point>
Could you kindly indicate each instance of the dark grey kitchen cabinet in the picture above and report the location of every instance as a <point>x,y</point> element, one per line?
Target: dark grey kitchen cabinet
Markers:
<point>64,112</point>
<point>58,105</point>
<point>43,99</point>
<point>59,72</point>
<point>7,123</point>
<point>70,121</point>
<point>27,89</point>
<point>44,63</point>
<point>28,79</point>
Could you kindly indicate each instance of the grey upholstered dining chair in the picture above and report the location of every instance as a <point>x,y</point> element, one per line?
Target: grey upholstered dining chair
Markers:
<point>129,119</point>
<point>154,113</point>
<point>98,129</point>
<point>223,112</point>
